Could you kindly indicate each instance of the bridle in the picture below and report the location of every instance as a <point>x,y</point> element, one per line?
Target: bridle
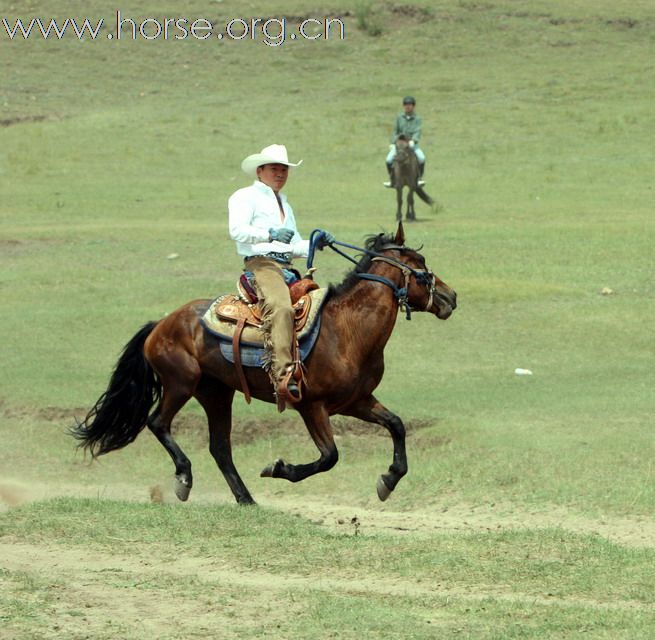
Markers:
<point>403,154</point>
<point>423,277</point>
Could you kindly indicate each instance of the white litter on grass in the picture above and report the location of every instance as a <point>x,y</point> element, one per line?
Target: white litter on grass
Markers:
<point>522,372</point>
<point>172,256</point>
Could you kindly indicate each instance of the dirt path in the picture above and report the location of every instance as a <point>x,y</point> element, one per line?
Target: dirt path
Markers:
<point>467,518</point>
<point>95,594</point>
<point>89,574</point>
<point>460,518</point>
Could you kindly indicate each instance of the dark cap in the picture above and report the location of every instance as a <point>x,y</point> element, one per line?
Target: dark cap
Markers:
<point>409,100</point>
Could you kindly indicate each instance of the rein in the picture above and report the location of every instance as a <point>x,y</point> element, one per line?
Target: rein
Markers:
<point>423,277</point>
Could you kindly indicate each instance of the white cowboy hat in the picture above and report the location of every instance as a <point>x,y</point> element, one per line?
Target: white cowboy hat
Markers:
<point>273,154</point>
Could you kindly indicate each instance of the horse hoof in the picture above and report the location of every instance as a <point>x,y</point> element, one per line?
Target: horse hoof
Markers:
<point>272,470</point>
<point>383,491</point>
<point>182,489</point>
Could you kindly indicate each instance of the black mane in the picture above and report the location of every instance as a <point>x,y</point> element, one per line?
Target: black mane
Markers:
<point>372,243</point>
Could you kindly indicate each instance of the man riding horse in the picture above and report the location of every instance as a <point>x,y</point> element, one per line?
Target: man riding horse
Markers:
<point>408,124</point>
<point>262,223</point>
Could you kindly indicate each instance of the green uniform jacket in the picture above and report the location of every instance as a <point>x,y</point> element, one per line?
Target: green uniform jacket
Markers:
<point>410,126</point>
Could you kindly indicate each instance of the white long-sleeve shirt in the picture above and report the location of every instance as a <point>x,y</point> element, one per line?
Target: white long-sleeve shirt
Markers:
<point>253,211</point>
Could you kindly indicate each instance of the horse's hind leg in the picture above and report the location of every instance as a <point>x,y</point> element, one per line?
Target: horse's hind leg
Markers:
<point>371,410</point>
<point>160,425</point>
<point>178,389</point>
<point>217,403</point>
<point>317,421</point>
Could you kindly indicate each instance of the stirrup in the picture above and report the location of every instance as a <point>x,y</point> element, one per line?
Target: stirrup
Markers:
<point>293,391</point>
<point>289,388</point>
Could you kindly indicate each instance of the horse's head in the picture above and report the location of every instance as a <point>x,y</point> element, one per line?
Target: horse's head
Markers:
<point>404,150</point>
<point>424,290</point>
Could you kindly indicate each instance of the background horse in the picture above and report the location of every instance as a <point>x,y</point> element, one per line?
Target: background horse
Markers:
<point>168,362</point>
<point>406,174</point>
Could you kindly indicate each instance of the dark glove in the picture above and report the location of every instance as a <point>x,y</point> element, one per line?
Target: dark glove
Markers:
<point>281,235</point>
<point>324,240</point>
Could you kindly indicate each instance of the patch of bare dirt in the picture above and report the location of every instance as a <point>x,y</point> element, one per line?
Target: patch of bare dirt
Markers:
<point>468,518</point>
<point>246,431</point>
<point>624,23</point>
<point>347,518</point>
<point>103,595</point>
<point>352,519</point>
<point>14,493</point>
<point>412,11</point>
<point>195,425</point>
<point>90,591</point>
<point>98,585</point>
<point>56,415</point>
<point>8,122</point>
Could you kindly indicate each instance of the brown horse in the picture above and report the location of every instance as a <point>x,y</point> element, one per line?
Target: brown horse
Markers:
<point>168,362</point>
<point>406,174</point>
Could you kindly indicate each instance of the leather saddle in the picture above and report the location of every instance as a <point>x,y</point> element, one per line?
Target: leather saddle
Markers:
<point>236,314</point>
<point>235,309</point>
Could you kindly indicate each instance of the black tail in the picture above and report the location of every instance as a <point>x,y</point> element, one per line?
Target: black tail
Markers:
<point>121,412</point>
<point>424,196</point>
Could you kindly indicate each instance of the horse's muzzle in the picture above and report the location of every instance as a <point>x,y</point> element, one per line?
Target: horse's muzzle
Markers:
<point>445,303</point>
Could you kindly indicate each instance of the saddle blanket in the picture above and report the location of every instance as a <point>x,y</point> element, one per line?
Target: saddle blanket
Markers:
<point>252,338</point>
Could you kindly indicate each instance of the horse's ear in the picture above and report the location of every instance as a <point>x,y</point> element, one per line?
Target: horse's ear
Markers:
<point>400,235</point>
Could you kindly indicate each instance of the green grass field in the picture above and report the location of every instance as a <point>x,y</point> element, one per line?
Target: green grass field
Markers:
<point>528,508</point>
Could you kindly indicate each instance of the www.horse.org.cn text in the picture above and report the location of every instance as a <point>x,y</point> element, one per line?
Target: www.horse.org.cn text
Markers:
<point>272,32</point>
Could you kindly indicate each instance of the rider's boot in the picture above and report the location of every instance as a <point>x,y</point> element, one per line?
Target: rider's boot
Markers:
<point>389,183</point>
<point>421,169</point>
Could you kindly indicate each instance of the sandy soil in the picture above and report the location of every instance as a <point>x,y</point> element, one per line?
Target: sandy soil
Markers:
<point>462,518</point>
<point>92,588</point>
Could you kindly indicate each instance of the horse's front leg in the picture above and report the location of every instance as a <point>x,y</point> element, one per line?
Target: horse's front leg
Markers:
<point>371,410</point>
<point>317,421</point>
<point>399,202</point>
<point>411,215</point>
